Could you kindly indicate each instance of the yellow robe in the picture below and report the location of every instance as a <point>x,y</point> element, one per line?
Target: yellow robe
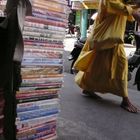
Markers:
<point>102,63</point>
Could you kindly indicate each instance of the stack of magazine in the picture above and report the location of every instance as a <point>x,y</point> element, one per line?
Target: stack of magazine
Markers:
<point>42,71</point>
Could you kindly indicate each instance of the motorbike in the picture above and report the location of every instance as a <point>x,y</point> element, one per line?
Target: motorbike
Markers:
<point>78,45</point>
<point>129,36</point>
<point>134,62</point>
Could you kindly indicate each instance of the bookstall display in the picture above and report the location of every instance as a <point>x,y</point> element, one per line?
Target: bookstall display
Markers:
<point>41,70</point>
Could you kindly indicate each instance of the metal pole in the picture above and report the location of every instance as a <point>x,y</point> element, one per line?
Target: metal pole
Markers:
<point>84,23</point>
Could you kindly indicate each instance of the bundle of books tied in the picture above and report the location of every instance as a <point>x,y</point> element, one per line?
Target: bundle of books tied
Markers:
<point>42,71</point>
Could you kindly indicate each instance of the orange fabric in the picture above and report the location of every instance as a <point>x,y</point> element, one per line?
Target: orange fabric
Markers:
<point>107,69</point>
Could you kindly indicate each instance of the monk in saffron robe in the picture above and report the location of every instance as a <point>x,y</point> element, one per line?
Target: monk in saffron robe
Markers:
<point>102,63</point>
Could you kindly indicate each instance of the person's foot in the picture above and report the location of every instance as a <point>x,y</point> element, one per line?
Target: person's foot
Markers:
<point>127,105</point>
<point>91,94</point>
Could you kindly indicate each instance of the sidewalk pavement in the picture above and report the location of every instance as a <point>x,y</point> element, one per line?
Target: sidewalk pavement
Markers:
<point>83,118</point>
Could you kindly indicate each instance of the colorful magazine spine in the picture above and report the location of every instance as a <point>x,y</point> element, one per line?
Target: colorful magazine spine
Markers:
<point>34,122</point>
<point>41,70</point>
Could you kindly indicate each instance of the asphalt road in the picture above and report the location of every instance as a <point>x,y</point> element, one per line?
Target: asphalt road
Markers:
<point>84,118</point>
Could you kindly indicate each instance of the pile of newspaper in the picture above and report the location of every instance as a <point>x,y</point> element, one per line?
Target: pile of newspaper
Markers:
<point>42,71</point>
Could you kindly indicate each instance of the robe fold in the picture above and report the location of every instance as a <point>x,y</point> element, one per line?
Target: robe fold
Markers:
<point>102,63</point>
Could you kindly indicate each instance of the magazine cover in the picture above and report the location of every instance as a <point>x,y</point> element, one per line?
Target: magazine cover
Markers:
<point>36,114</point>
<point>40,25</point>
<point>46,21</point>
<point>32,104</point>
<point>47,80</point>
<point>50,5</point>
<point>31,99</point>
<point>35,95</point>
<point>43,34</point>
<point>42,53</point>
<point>52,70</point>
<point>38,131</point>
<point>43,45</point>
<point>41,87</point>
<point>45,30</point>
<point>31,123</point>
<point>49,13</point>
<point>37,106</point>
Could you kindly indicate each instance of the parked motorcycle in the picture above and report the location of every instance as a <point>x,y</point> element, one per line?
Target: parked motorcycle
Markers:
<point>129,36</point>
<point>78,45</point>
<point>134,62</point>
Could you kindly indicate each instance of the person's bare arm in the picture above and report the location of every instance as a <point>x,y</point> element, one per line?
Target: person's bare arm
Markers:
<point>118,7</point>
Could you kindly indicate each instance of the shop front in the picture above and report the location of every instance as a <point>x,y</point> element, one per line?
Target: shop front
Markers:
<point>84,10</point>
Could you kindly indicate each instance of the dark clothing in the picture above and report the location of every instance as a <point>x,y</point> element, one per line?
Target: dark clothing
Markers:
<point>11,52</point>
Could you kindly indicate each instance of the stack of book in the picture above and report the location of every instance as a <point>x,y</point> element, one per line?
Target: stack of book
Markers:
<point>42,71</point>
